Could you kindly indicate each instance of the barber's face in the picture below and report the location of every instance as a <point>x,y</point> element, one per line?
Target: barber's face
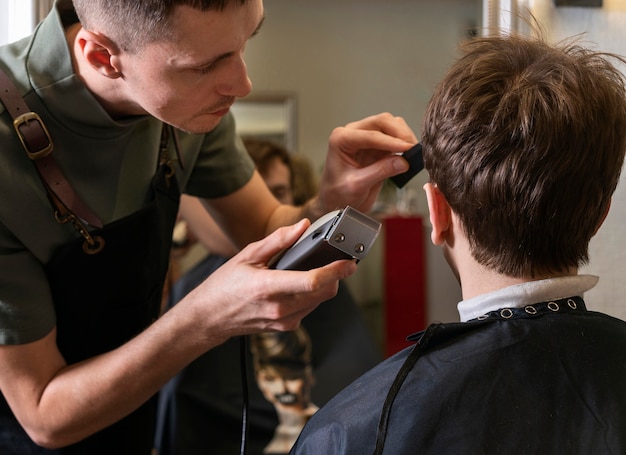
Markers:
<point>192,80</point>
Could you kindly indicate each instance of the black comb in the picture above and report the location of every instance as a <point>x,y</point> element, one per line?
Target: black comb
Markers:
<point>416,164</point>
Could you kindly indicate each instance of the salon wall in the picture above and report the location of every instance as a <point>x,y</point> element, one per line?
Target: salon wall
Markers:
<point>347,59</point>
<point>605,29</point>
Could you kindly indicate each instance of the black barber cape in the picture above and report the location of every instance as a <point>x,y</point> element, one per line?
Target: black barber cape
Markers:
<point>547,379</point>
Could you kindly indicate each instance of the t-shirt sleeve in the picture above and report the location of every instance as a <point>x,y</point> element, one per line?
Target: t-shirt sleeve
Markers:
<point>222,165</point>
<point>26,308</point>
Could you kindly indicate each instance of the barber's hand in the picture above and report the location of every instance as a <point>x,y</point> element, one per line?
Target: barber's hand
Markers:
<point>361,156</point>
<point>244,296</point>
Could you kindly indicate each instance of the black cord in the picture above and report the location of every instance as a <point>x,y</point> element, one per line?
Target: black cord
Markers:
<point>243,355</point>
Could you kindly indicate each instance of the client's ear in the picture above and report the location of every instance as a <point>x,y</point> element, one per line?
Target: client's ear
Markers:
<point>440,213</point>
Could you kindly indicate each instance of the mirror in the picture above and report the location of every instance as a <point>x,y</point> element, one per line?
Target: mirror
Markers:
<point>270,116</point>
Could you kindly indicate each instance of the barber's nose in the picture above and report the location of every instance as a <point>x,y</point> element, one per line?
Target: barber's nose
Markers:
<point>237,83</point>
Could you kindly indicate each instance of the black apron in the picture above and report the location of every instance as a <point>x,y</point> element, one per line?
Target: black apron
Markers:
<point>103,300</point>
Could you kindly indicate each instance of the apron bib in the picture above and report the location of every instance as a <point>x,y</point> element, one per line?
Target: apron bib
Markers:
<point>103,300</point>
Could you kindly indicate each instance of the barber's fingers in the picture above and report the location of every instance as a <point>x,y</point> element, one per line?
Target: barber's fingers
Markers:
<point>379,132</point>
<point>387,123</point>
<point>286,285</point>
<point>256,298</point>
<point>285,310</point>
<point>314,283</point>
<point>289,282</point>
<point>310,288</point>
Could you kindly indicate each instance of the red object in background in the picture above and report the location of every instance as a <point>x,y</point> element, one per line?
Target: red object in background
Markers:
<point>405,280</point>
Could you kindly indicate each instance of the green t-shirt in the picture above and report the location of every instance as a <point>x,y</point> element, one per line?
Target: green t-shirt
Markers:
<point>109,163</point>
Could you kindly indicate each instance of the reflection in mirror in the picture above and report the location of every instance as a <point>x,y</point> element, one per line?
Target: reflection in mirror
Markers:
<point>270,116</point>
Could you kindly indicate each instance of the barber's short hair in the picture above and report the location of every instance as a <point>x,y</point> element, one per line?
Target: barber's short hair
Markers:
<point>133,23</point>
<point>526,141</point>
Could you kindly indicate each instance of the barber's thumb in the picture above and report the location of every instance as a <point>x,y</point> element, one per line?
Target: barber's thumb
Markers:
<point>279,240</point>
<point>292,233</point>
<point>399,165</point>
<point>285,236</point>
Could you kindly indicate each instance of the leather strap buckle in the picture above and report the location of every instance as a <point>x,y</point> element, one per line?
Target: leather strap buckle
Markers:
<point>33,135</point>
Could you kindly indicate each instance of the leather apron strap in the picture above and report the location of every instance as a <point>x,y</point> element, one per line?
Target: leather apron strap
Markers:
<point>38,145</point>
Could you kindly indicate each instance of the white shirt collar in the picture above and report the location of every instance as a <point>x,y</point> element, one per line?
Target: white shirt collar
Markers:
<point>520,295</point>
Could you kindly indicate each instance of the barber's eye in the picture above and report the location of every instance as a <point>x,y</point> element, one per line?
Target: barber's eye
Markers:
<point>213,65</point>
<point>206,69</point>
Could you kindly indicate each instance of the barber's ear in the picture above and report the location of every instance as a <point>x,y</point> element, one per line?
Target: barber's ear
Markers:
<point>100,52</point>
<point>440,214</point>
